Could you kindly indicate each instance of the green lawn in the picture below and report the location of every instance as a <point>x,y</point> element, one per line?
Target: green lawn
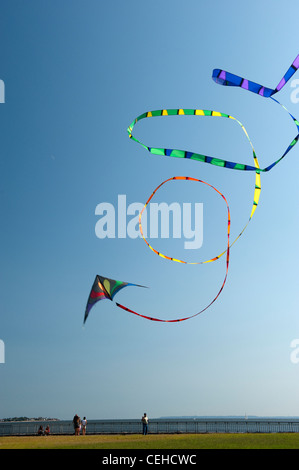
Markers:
<point>155,441</point>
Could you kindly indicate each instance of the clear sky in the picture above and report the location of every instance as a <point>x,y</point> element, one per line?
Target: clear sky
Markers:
<point>76,74</point>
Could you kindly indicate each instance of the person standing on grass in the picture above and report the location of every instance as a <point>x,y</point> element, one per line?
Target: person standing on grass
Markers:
<point>144,420</point>
<point>84,424</point>
<point>77,424</point>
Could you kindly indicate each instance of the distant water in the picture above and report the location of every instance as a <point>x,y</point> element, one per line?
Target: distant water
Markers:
<point>165,425</point>
<point>256,417</point>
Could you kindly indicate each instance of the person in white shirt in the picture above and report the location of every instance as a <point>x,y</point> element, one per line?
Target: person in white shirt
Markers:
<point>144,420</point>
<point>84,424</point>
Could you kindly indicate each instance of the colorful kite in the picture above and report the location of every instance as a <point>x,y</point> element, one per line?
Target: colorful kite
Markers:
<point>104,288</point>
<point>99,290</point>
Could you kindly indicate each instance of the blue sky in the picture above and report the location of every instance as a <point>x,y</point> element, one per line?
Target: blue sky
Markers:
<point>76,74</point>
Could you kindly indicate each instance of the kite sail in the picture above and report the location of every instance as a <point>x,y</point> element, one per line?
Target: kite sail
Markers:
<point>104,288</point>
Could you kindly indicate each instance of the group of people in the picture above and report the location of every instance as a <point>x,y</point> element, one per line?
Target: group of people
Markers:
<point>79,424</point>
<point>42,432</point>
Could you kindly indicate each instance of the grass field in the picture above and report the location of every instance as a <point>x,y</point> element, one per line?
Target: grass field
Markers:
<point>155,441</point>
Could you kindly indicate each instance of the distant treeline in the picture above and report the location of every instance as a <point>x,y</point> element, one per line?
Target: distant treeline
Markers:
<point>25,418</point>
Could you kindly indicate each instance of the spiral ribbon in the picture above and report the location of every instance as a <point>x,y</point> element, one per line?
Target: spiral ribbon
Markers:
<point>226,79</point>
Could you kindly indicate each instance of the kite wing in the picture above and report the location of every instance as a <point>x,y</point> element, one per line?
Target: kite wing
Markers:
<point>104,288</point>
